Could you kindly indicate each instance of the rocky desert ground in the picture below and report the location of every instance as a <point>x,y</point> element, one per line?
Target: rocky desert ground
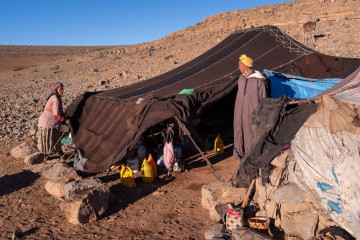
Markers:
<point>169,209</point>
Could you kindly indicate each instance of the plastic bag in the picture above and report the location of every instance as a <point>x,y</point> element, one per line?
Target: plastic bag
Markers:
<point>169,155</point>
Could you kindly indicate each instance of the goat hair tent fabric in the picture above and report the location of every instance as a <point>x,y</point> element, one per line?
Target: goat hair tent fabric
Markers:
<point>106,124</point>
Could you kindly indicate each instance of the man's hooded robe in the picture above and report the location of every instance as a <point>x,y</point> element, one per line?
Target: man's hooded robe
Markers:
<point>251,90</point>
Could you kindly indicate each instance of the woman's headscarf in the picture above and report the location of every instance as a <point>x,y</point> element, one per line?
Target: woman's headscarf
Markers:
<point>54,90</point>
<point>55,87</point>
<point>248,61</point>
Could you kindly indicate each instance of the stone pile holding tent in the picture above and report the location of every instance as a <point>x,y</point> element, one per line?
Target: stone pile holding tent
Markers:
<point>294,211</point>
<point>312,188</point>
<point>81,200</point>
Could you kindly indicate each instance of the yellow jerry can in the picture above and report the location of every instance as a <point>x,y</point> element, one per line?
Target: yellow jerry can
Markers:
<point>218,145</point>
<point>127,177</point>
<point>147,172</point>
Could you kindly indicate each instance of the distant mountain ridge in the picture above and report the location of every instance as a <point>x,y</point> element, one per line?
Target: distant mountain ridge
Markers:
<point>337,33</point>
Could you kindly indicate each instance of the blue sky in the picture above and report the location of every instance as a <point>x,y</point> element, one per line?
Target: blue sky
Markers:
<point>105,22</point>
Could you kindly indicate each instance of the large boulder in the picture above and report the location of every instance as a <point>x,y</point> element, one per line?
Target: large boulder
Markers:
<point>86,200</point>
<point>220,193</point>
<point>291,193</point>
<point>215,230</point>
<point>212,192</point>
<point>248,234</point>
<point>280,161</point>
<point>264,192</point>
<point>60,172</point>
<point>22,150</point>
<point>233,195</point>
<point>55,188</point>
<point>301,224</point>
<point>229,195</point>
<point>264,198</point>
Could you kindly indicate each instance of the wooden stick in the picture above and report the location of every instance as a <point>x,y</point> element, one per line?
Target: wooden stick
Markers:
<point>186,132</point>
<point>153,136</point>
<point>243,205</point>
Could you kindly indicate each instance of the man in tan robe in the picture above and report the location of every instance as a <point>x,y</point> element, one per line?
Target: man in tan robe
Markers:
<point>251,89</point>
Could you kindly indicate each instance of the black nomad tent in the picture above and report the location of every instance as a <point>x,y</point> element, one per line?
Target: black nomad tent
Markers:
<point>107,124</point>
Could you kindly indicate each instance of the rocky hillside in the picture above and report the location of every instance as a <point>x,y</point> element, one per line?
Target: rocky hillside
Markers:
<point>27,72</point>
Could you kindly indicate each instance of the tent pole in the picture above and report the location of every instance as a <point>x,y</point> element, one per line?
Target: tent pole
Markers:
<point>186,132</point>
<point>153,136</point>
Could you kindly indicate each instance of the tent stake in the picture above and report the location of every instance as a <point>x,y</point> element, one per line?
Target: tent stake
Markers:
<point>186,132</point>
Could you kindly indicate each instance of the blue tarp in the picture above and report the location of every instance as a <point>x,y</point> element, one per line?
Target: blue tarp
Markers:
<point>298,87</point>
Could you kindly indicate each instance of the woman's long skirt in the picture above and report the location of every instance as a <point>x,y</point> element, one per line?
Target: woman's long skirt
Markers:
<point>49,140</point>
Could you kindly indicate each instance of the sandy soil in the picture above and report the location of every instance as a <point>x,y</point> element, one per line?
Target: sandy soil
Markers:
<point>164,209</point>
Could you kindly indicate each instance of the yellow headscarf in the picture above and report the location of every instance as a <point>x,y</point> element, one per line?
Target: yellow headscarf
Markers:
<point>248,61</point>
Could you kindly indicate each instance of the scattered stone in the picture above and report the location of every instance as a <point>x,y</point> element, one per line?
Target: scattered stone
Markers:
<point>189,37</point>
<point>248,234</point>
<point>34,158</point>
<point>22,150</point>
<point>75,187</point>
<point>60,171</point>
<point>292,194</point>
<point>280,160</point>
<point>32,131</point>
<point>215,230</point>
<point>55,188</point>
<point>325,221</point>
<point>122,74</point>
<point>234,195</point>
<point>86,200</point>
<point>214,215</point>
<point>212,192</point>
<point>302,224</point>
